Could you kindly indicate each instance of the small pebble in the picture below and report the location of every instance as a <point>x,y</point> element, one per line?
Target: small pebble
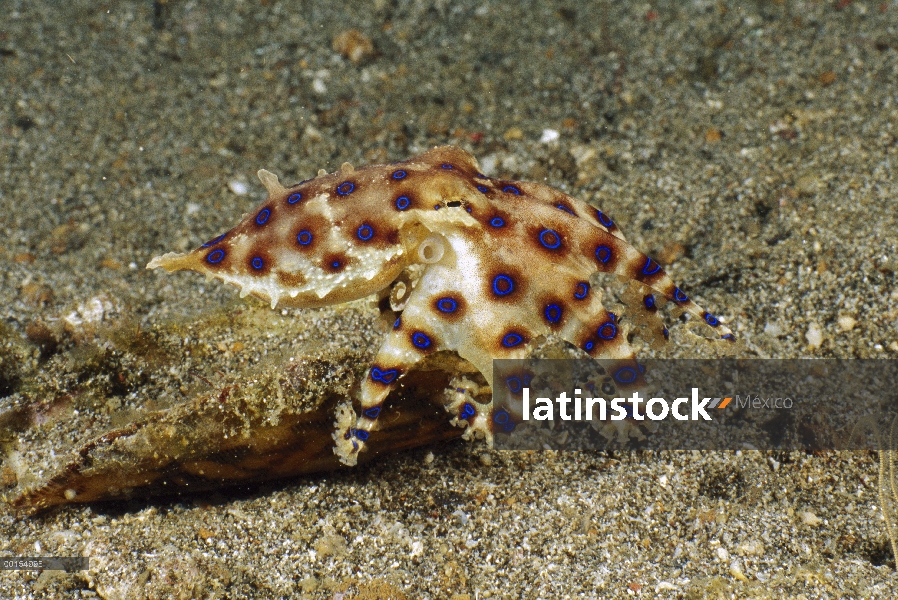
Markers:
<point>238,187</point>
<point>847,323</point>
<point>814,336</point>
<point>549,136</point>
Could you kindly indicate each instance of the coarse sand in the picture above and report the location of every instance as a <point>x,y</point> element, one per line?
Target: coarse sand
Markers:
<point>750,147</point>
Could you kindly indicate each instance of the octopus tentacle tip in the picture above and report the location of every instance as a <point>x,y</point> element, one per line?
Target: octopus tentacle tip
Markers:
<point>172,261</point>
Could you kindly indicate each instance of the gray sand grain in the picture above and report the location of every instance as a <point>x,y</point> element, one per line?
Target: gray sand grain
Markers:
<point>751,147</point>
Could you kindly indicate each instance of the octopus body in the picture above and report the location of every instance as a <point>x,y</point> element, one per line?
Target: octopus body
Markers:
<point>459,262</point>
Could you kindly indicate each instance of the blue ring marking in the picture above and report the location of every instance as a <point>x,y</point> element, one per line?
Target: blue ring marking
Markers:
<point>400,174</point>
<point>436,207</point>
<point>729,337</point>
<point>383,376</point>
<point>512,189</point>
<point>397,322</point>
<point>505,279</point>
<point>361,434</point>
<point>582,290</point>
<point>215,257</point>
<point>589,345</point>
<point>447,305</point>
<point>548,244</point>
<point>482,176</point>
<point>501,417</point>
<point>613,317</point>
<point>604,220</point>
<point>257,263</point>
<point>650,267</point>
<point>665,333</point>
<point>566,209</point>
<point>649,301</point>
<point>553,313</point>
<point>420,340</point>
<point>711,320</point>
<point>679,296</point>
<point>364,232</point>
<point>447,166</point>
<point>263,215</point>
<point>603,254</point>
<point>467,411</point>
<point>528,377</point>
<point>215,241</point>
<point>372,413</point>
<point>304,237</point>
<point>625,375</point>
<point>294,198</point>
<point>602,333</point>
<point>345,188</point>
<point>482,189</point>
<point>497,222</point>
<point>402,202</point>
<point>468,209</point>
<point>336,264</point>
<point>514,385</point>
<point>511,340</point>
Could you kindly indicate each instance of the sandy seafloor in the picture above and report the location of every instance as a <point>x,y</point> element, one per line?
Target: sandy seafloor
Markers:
<point>750,146</point>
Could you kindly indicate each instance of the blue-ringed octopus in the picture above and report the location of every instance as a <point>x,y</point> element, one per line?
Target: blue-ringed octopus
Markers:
<point>458,261</point>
